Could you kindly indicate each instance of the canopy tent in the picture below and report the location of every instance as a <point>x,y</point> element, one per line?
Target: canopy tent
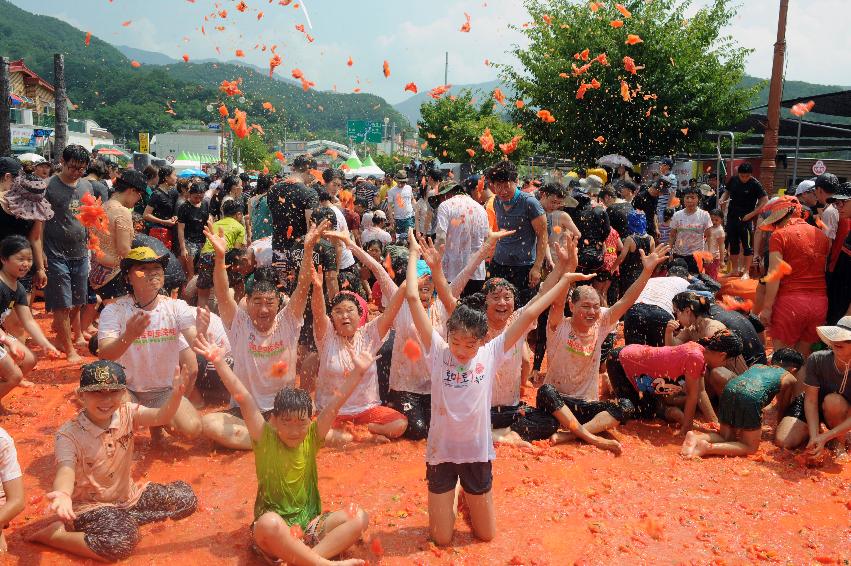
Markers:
<point>367,168</point>
<point>353,162</point>
<point>196,157</point>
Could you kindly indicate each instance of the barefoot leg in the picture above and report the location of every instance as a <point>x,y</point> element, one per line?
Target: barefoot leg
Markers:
<point>55,535</point>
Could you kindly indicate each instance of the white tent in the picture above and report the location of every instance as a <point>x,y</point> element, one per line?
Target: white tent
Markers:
<point>369,168</point>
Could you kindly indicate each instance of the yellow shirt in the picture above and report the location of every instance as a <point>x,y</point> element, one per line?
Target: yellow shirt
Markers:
<point>233,230</point>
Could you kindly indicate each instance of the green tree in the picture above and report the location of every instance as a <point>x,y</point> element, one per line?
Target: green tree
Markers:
<point>390,163</point>
<point>685,82</point>
<point>253,152</point>
<point>452,125</point>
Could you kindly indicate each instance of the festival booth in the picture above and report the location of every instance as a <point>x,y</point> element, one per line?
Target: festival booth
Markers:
<point>185,160</point>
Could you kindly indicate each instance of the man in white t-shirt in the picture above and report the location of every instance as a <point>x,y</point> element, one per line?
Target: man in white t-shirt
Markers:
<point>401,207</point>
<point>690,229</point>
<point>376,230</point>
<point>149,334</point>
<point>462,226</point>
<point>263,339</point>
<point>333,185</point>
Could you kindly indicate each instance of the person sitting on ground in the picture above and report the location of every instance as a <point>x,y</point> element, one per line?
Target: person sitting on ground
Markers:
<point>339,337</point>
<point>289,524</point>
<point>16,360</point>
<point>463,368</point>
<point>100,507</point>
<point>149,335</point>
<point>826,398</point>
<point>652,377</point>
<point>575,348</point>
<point>741,406</point>
<point>230,226</point>
<point>263,339</point>
<point>12,498</point>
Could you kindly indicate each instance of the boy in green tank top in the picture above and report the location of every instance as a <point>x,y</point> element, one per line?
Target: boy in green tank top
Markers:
<point>289,525</point>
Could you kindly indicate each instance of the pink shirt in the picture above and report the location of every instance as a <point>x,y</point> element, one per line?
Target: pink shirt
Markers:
<point>101,459</point>
<point>664,364</point>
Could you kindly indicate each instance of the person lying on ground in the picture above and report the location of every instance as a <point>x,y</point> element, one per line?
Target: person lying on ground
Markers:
<point>99,506</point>
<point>289,524</point>
<point>741,406</point>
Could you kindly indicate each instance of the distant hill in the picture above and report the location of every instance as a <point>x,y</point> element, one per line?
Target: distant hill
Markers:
<point>164,94</point>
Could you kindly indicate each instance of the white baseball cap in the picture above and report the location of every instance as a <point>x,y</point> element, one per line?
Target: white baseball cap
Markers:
<point>805,186</point>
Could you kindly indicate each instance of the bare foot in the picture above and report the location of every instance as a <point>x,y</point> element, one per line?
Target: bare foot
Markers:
<point>338,438</point>
<point>562,437</point>
<point>839,451</point>
<point>701,447</point>
<point>687,451</point>
<point>510,437</point>
<point>612,446</point>
<point>74,358</point>
<point>46,535</point>
<point>26,383</point>
<point>377,439</point>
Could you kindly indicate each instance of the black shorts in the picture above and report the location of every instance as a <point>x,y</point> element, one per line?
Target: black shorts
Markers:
<point>476,477</point>
<point>796,409</point>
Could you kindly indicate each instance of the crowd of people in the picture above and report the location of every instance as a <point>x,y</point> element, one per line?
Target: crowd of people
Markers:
<point>414,306</point>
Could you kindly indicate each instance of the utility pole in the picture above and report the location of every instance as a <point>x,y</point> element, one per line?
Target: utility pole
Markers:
<point>60,100</point>
<point>446,70</point>
<point>5,109</point>
<point>392,139</point>
<point>770,140</point>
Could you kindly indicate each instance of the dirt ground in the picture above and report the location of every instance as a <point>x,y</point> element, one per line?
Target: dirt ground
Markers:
<point>560,505</point>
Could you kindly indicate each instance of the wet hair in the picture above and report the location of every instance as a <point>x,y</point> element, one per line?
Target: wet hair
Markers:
<point>710,283</point>
<point>231,207</point>
<point>828,182</point>
<point>330,174</point>
<point>608,192</point>
<point>245,179</point>
<point>372,244</point>
<point>678,271</point>
<point>745,167</point>
<point>788,358</point>
<point>266,273</point>
<point>723,341</point>
<point>164,172</point>
<point>495,283</point>
<point>690,191</point>
<point>668,214</point>
<point>291,400</point>
<point>98,168</point>
<point>698,304</point>
<point>503,171</point>
<point>183,185</point>
<point>628,185</point>
<point>578,291</point>
<point>76,153</point>
<point>196,189</point>
<point>10,245</point>
<point>228,183</point>
<point>469,317</point>
<point>435,174</point>
<point>151,173</point>
<point>263,183</point>
<point>361,202</point>
<point>263,286</point>
<point>717,212</point>
<point>324,213</point>
<point>323,195</point>
<point>345,296</point>
<point>553,189</point>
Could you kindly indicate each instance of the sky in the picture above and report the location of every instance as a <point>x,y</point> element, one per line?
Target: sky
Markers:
<point>414,35</point>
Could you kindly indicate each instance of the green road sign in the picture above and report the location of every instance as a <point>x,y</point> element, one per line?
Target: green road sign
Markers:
<point>360,131</point>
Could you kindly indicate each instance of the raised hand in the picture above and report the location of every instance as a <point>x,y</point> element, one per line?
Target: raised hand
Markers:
<point>220,245</point>
<point>138,323</point>
<point>362,361</point>
<point>658,256</point>
<point>315,232</point>
<point>574,277</point>
<point>60,503</point>
<point>202,320</point>
<point>202,347</point>
<point>494,237</point>
<point>316,275</point>
<point>413,245</point>
<point>181,379</point>
<point>568,254</point>
<point>430,253</point>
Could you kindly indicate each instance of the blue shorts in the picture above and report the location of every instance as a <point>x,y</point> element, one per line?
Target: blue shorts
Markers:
<point>67,283</point>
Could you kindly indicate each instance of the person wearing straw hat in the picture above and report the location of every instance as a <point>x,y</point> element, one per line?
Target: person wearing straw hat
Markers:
<point>826,398</point>
<point>796,304</point>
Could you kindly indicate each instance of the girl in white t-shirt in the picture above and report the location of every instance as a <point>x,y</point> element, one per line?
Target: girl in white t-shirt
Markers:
<point>460,444</point>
